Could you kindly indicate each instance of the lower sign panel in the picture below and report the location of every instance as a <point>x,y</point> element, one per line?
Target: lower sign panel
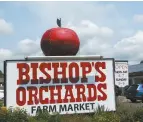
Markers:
<point>60,86</point>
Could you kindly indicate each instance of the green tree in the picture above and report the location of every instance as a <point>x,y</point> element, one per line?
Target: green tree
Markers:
<point>1,74</point>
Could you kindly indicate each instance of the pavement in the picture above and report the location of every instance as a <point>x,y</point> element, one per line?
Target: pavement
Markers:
<point>127,102</point>
<point>123,99</point>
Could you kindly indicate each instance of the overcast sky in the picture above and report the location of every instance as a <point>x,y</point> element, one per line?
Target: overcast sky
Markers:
<point>111,29</point>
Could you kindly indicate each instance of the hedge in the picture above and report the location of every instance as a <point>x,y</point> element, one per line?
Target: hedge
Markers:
<point>123,114</point>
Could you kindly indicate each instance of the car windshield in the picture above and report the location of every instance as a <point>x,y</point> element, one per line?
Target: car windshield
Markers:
<point>126,87</point>
<point>140,87</point>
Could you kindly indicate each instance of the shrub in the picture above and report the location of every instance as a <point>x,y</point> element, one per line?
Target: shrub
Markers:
<point>32,119</point>
<point>1,103</point>
<point>125,116</point>
<point>17,115</point>
<point>102,115</point>
<point>76,118</point>
<point>42,116</point>
<point>106,117</point>
<point>55,118</point>
<point>45,117</point>
<point>3,114</point>
<point>138,115</point>
<point>124,113</point>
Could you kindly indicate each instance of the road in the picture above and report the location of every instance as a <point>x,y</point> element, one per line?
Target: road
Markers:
<point>127,102</point>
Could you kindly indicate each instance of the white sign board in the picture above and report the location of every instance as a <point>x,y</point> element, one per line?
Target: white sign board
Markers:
<point>121,73</point>
<point>63,86</point>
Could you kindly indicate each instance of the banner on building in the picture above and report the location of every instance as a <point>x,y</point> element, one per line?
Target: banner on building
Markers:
<point>121,73</point>
<point>63,86</point>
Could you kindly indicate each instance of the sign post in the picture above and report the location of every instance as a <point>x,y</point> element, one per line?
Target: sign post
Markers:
<point>64,84</point>
<point>121,73</point>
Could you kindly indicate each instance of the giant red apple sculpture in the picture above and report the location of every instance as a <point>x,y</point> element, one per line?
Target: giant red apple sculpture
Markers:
<point>60,41</point>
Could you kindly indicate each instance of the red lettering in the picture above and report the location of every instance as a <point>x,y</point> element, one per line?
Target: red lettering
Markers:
<point>34,67</point>
<point>100,88</point>
<point>57,72</point>
<point>99,65</point>
<point>69,93</point>
<point>86,68</point>
<point>20,93</point>
<point>91,90</point>
<point>76,68</point>
<point>80,93</point>
<point>43,67</point>
<point>33,92</point>
<point>35,95</point>
<point>64,79</point>
<point>42,100</point>
<point>53,94</point>
<point>21,67</point>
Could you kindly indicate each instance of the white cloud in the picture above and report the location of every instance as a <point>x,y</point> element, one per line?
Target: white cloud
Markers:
<point>138,18</point>
<point>101,28</point>
<point>130,48</point>
<point>127,32</point>
<point>5,54</point>
<point>5,27</point>
<point>28,47</point>
<point>99,40</point>
<point>103,14</point>
<point>47,12</point>
<point>94,40</point>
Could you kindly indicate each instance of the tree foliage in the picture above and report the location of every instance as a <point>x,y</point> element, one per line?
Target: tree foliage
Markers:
<point>1,74</point>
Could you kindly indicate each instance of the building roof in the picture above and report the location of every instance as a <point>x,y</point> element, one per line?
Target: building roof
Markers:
<point>136,68</point>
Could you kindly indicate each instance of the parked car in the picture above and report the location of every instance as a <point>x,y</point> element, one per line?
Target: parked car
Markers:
<point>118,90</point>
<point>126,87</point>
<point>134,92</point>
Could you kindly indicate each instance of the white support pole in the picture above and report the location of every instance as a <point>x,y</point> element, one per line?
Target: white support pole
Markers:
<point>133,80</point>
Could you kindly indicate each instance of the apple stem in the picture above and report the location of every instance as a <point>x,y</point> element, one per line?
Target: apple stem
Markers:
<point>59,22</point>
